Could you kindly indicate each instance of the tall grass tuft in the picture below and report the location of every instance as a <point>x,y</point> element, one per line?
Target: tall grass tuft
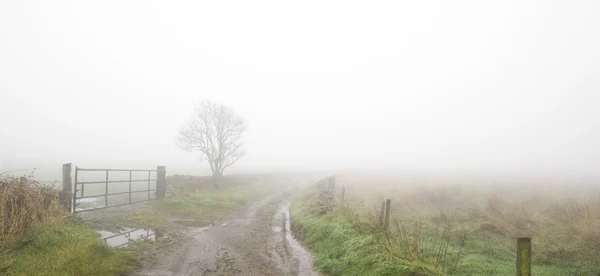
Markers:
<point>410,246</point>
<point>24,203</point>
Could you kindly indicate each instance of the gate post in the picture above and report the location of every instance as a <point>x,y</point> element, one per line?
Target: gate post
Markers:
<point>161,182</point>
<point>66,194</point>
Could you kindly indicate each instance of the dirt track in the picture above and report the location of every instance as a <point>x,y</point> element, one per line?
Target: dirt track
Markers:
<point>254,242</point>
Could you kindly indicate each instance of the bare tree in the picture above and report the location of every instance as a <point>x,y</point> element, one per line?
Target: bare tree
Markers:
<point>216,131</point>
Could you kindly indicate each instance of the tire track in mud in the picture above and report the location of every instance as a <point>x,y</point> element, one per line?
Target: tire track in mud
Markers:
<point>255,242</point>
<point>294,257</point>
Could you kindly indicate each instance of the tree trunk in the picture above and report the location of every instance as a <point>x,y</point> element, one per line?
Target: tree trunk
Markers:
<point>216,180</point>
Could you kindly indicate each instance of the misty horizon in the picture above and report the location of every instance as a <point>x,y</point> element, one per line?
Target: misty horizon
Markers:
<point>434,87</point>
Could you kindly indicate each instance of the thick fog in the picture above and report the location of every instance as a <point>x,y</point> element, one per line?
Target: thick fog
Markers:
<point>469,86</point>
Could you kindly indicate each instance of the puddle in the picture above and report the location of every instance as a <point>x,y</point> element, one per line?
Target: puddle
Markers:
<point>84,204</point>
<point>87,200</point>
<point>126,236</point>
<point>199,230</point>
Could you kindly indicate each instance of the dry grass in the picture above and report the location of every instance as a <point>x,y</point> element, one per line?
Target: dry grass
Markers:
<point>355,235</point>
<point>24,204</point>
<point>471,227</point>
<point>38,237</point>
<point>583,217</point>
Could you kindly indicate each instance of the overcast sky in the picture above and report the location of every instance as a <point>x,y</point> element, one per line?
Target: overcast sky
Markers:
<point>436,85</point>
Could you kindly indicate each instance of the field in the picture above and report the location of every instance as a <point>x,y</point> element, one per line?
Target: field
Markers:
<point>456,226</point>
<point>39,237</point>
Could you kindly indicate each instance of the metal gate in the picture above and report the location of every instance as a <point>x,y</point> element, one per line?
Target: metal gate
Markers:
<point>154,183</point>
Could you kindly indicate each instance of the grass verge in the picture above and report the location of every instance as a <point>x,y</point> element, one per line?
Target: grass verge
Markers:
<point>37,237</point>
<point>459,240</point>
<point>342,247</point>
<point>64,247</point>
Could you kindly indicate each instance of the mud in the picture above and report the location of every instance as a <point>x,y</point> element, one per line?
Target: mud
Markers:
<point>257,241</point>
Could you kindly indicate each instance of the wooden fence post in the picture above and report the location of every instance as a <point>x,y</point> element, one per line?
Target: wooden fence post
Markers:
<point>66,193</point>
<point>386,222</point>
<point>343,195</point>
<point>331,183</point>
<point>382,214</point>
<point>159,233</point>
<point>161,182</point>
<point>523,256</point>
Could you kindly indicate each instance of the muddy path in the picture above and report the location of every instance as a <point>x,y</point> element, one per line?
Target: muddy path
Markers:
<point>256,241</point>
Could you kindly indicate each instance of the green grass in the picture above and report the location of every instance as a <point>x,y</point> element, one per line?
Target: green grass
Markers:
<point>348,244</point>
<point>65,247</point>
<point>342,247</point>
<point>486,254</point>
<point>146,219</point>
<point>210,204</point>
